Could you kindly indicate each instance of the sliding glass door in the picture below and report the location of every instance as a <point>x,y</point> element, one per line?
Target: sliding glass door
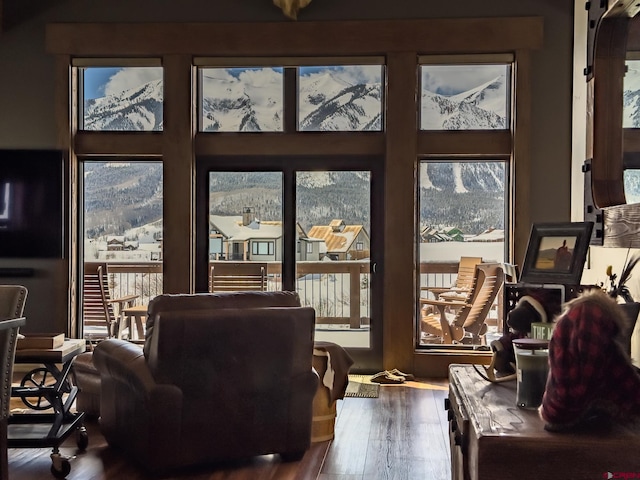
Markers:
<point>308,225</point>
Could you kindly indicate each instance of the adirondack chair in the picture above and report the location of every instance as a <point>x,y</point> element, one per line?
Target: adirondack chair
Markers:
<point>467,325</point>
<point>237,277</point>
<point>463,283</point>
<point>98,306</point>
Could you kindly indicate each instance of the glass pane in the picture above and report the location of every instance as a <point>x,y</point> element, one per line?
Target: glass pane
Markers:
<point>631,96</point>
<point>241,99</point>
<point>122,221</point>
<point>245,231</point>
<point>465,97</point>
<point>632,185</point>
<point>342,98</point>
<point>333,275</point>
<point>462,214</point>
<point>128,98</point>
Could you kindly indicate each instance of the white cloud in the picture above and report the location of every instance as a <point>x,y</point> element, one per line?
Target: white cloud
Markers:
<point>130,77</point>
<point>351,74</point>
<point>453,79</point>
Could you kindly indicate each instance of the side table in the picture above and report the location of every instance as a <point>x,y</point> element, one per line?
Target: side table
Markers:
<point>490,438</point>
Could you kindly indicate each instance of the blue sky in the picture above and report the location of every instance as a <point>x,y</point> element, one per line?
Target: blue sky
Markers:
<point>95,80</point>
<point>102,81</point>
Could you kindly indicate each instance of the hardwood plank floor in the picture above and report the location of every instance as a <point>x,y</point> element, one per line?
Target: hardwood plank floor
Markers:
<point>402,435</point>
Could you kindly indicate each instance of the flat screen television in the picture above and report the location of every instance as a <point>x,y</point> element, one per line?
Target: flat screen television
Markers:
<point>31,203</point>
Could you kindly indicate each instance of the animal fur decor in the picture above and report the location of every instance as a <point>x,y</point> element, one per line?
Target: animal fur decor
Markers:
<point>590,371</point>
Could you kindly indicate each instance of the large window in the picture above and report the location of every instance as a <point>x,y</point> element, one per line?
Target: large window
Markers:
<point>301,104</point>
<point>121,98</point>
<point>462,213</point>
<point>344,98</point>
<point>465,96</point>
<point>242,99</point>
<point>122,235</point>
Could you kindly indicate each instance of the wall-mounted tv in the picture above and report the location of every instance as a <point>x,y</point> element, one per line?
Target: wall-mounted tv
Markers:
<point>31,203</point>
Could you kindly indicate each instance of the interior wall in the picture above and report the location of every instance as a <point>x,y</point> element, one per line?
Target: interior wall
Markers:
<point>27,109</point>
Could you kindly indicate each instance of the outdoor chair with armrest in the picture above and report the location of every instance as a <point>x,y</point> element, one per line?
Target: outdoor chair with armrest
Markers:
<point>468,324</point>
<point>463,283</point>
<point>112,320</point>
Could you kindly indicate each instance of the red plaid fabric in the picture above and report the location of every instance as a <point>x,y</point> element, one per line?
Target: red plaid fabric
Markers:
<point>588,368</point>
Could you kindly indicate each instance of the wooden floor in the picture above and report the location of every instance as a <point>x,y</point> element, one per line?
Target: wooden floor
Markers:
<point>401,435</point>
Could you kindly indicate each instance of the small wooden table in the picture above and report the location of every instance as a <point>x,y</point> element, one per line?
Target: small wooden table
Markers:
<point>490,437</point>
<point>139,314</point>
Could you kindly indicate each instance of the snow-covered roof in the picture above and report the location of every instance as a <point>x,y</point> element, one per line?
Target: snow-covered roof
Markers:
<point>232,228</point>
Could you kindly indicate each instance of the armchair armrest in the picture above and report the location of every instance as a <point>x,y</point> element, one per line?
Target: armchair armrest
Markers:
<point>124,362</point>
<point>443,303</point>
<point>123,302</point>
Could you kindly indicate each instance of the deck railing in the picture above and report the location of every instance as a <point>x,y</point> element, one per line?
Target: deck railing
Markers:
<point>340,291</point>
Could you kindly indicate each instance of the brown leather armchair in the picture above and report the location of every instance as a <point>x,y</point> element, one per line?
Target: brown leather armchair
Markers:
<point>223,376</point>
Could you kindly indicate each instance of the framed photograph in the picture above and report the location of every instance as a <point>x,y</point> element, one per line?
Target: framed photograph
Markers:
<point>556,253</point>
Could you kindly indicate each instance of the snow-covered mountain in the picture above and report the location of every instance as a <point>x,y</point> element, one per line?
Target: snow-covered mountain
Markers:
<point>253,101</point>
<point>482,107</point>
<point>134,109</point>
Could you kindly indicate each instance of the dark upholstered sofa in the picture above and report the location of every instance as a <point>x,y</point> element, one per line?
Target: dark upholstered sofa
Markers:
<point>222,376</point>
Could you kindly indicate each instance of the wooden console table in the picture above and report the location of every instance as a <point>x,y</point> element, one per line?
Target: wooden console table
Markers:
<point>491,438</point>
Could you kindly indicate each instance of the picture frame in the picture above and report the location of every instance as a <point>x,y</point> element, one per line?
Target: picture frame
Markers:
<point>556,253</point>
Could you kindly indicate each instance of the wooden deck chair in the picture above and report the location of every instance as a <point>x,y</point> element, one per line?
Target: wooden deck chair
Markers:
<point>237,277</point>
<point>463,283</point>
<point>468,324</point>
<point>111,318</point>
<point>97,304</point>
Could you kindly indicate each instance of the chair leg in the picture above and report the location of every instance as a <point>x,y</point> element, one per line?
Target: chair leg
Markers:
<point>444,325</point>
<point>4,445</point>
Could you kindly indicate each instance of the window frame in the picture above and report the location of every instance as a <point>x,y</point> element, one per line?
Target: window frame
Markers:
<point>79,64</point>
<point>399,41</point>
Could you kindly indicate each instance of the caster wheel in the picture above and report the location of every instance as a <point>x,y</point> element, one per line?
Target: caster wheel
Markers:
<point>38,377</point>
<point>82,439</point>
<point>65,468</point>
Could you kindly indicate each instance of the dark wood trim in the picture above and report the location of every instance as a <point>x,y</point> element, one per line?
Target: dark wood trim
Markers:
<point>435,363</point>
<point>118,143</point>
<point>324,143</point>
<point>435,143</point>
<point>631,139</point>
<point>399,212</point>
<point>178,175</point>
<point>375,37</point>
<point>521,166</point>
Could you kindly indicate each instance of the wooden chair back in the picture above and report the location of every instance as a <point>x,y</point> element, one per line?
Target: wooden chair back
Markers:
<point>489,281</point>
<point>97,304</point>
<point>466,272</point>
<point>237,277</point>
